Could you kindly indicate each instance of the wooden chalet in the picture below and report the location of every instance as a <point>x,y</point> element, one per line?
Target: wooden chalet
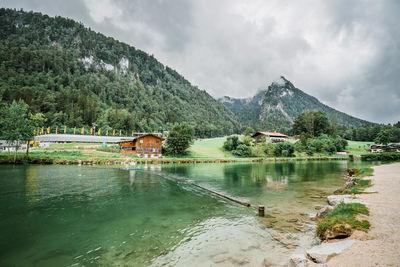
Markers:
<point>148,145</point>
<point>273,137</point>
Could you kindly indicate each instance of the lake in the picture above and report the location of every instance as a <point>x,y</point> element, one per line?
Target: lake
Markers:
<point>91,216</point>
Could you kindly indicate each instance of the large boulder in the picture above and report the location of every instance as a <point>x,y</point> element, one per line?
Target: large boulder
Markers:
<point>335,200</point>
<point>323,252</point>
<point>297,260</point>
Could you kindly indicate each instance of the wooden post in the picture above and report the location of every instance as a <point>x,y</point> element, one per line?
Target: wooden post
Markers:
<point>261,211</point>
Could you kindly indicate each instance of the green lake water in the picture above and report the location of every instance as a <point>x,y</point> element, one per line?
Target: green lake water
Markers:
<point>94,216</point>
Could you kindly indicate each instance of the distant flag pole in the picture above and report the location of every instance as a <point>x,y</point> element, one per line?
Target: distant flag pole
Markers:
<point>82,130</point>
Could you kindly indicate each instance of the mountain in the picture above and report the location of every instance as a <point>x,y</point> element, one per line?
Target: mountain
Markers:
<point>277,107</point>
<point>77,77</point>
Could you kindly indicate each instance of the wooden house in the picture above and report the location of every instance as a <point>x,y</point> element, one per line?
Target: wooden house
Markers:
<point>148,145</point>
<point>392,147</point>
<point>273,137</point>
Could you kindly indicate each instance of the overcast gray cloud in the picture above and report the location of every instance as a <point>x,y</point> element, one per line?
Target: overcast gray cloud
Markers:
<point>346,53</point>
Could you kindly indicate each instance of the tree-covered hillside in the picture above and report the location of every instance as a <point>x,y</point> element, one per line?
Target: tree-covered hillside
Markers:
<point>277,107</point>
<point>77,77</point>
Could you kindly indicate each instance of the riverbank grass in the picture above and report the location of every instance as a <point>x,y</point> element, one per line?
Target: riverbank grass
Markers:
<point>342,221</point>
<point>359,188</point>
<point>360,184</point>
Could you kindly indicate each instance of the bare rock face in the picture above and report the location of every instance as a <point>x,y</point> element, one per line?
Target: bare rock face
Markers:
<point>324,212</point>
<point>323,252</point>
<point>297,260</point>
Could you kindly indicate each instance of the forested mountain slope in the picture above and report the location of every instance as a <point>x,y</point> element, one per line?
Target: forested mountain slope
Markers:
<point>277,107</point>
<point>76,77</point>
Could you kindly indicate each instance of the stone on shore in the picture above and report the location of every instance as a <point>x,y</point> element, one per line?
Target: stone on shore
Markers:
<point>335,200</point>
<point>297,260</point>
<point>347,185</point>
<point>324,212</point>
<point>338,230</point>
<point>323,252</point>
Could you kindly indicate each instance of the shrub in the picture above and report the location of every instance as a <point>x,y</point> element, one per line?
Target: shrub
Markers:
<point>269,149</point>
<point>231,143</point>
<point>321,144</point>
<point>242,151</point>
<point>284,149</point>
<point>247,140</point>
<point>259,150</point>
<point>381,156</point>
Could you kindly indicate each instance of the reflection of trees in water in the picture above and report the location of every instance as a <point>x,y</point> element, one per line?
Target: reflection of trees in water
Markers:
<point>279,174</point>
<point>317,170</point>
<point>239,174</point>
<point>181,170</point>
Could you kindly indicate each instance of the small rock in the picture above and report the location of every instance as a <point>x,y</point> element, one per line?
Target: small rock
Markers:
<point>317,207</point>
<point>239,260</point>
<point>292,220</point>
<point>250,245</point>
<point>302,228</point>
<point>339,191</point>
<point>270,222</point>
<point>221,258</point>
<point>286,241</point>
<point>349,184</point>
<point>297,260</point>
<point>324,211</point>
<point>268,263</point>
<point>323,252</point>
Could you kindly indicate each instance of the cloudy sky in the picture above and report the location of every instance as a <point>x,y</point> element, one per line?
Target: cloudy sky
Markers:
<point>345,53</point>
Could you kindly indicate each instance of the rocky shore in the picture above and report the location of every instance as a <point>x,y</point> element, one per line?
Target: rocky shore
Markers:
<point>377,247</point>
<point>320,254</point>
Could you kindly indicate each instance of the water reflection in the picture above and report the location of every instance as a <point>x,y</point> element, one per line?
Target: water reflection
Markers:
<point>64,215</point>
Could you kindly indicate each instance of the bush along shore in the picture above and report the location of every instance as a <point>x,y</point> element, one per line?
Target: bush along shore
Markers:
<point>344,214</point>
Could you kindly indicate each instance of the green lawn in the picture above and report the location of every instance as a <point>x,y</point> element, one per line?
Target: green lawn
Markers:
<point>209,148</point>
<point>358,147</point>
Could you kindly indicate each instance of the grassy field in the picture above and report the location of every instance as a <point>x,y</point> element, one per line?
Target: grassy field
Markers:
<point>209,148</point>
<point>358,148</point>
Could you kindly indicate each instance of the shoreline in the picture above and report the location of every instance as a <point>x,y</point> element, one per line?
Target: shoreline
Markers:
<point>59,160</point>
<point>378,246</point>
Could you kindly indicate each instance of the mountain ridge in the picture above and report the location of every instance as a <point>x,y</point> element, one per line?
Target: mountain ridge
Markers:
<point>277,106</point>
